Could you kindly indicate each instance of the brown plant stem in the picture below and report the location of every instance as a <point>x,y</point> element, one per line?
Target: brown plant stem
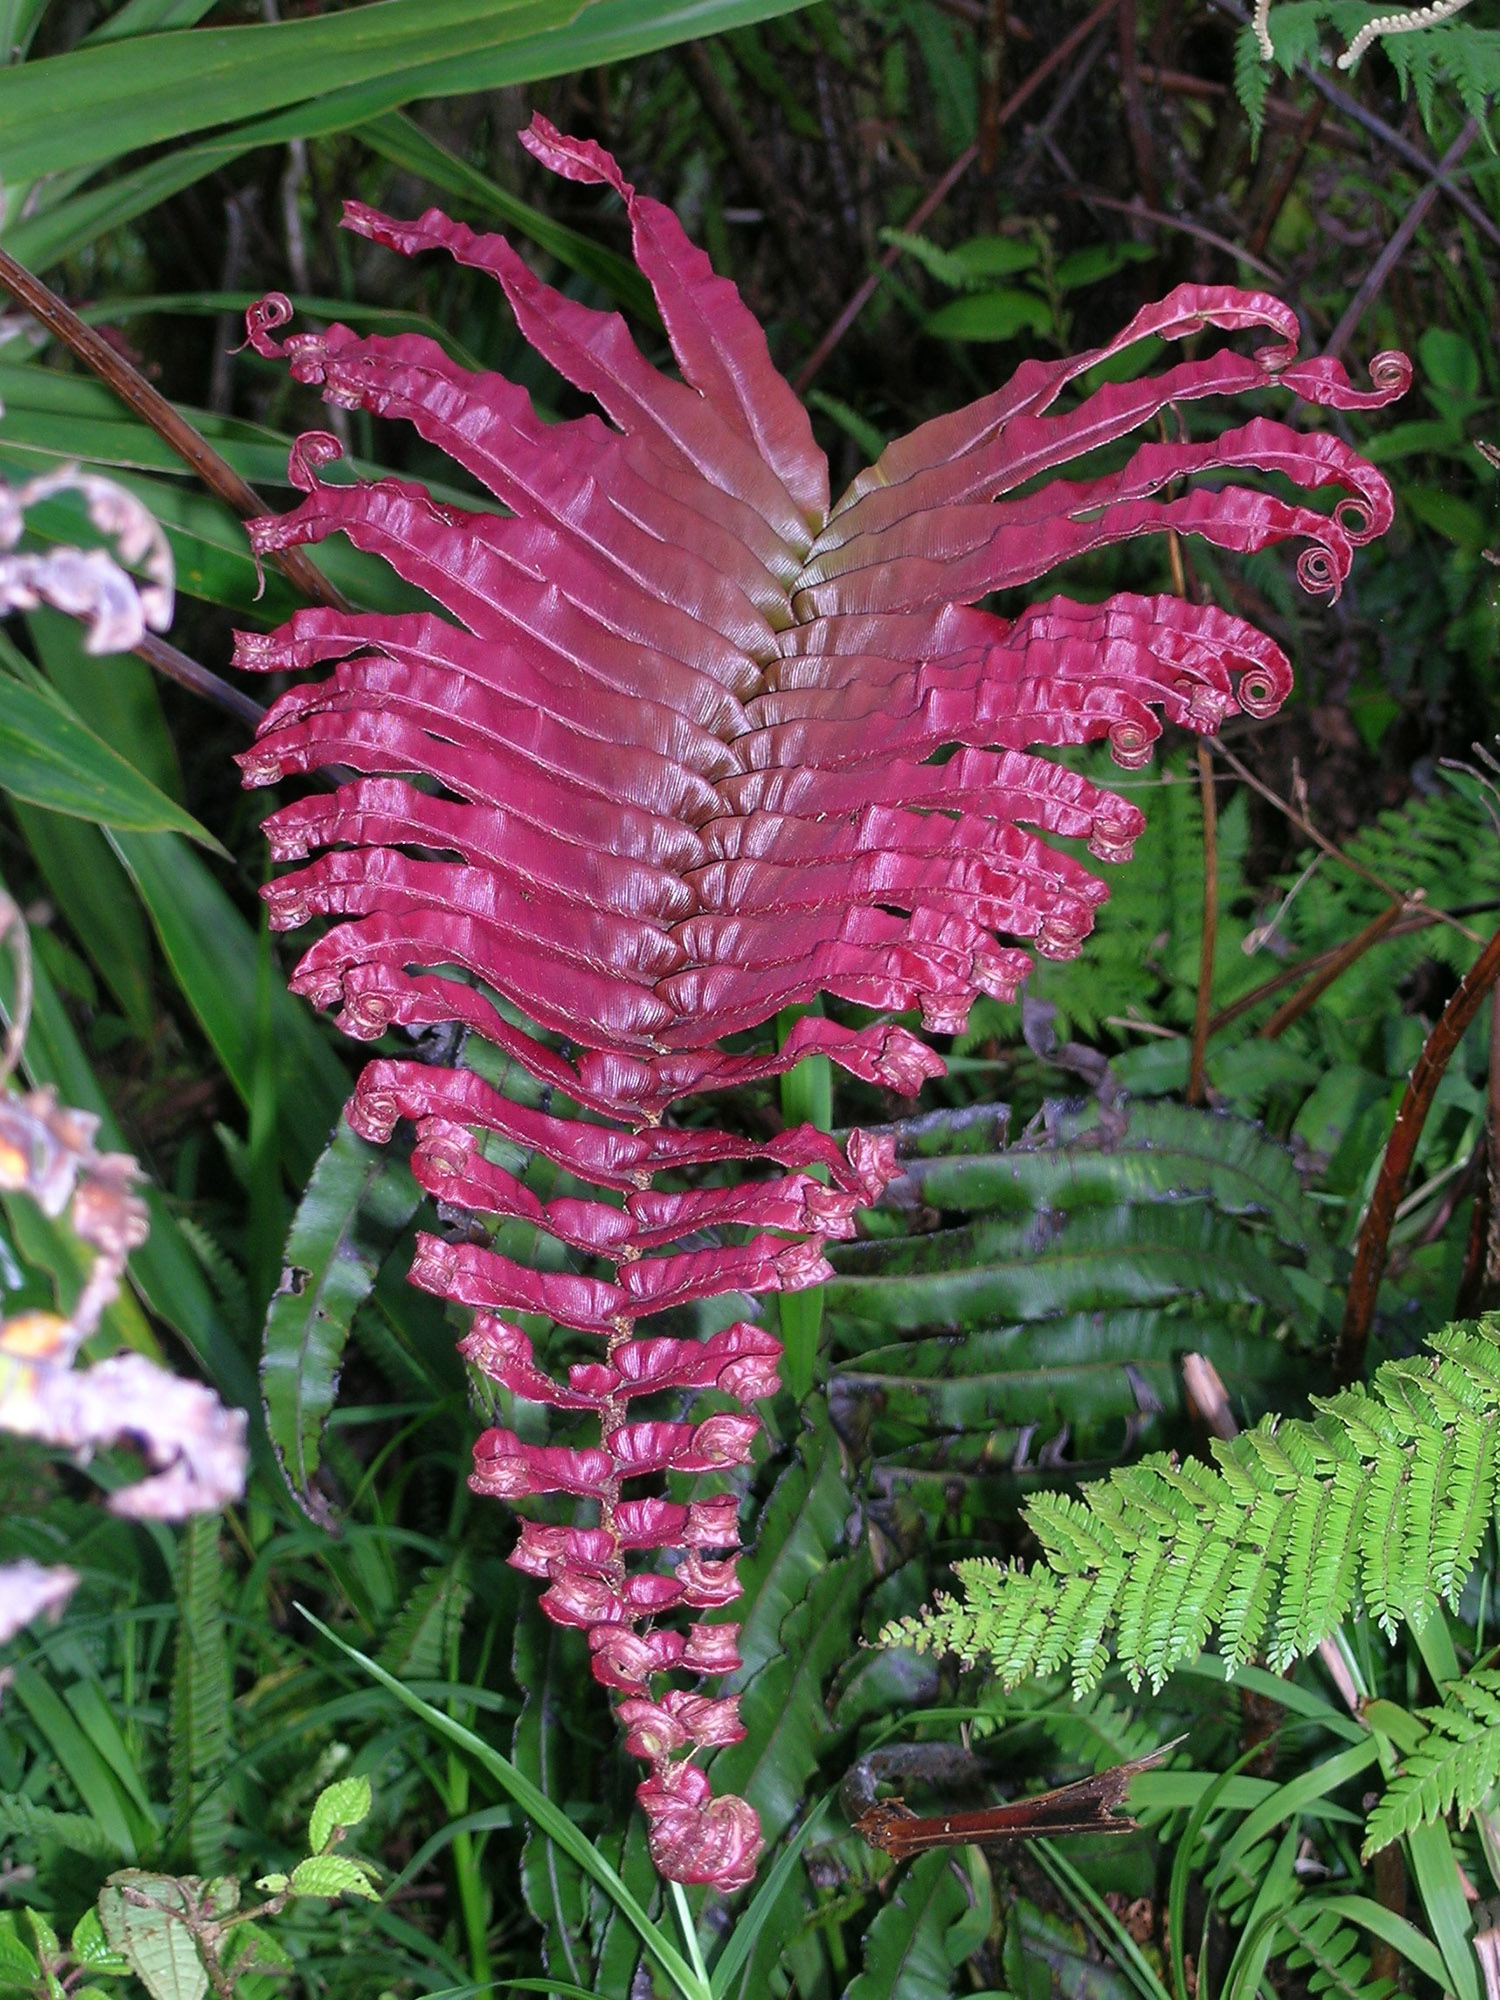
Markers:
<point>96,354</point>
<point>995,35</point>
<point>1313,964</point>
<point>175,666</point>
<point>941,190</point>
<point>1197,1076</point>
<point>1136,122</point>
<point>1374,279</point>
<point>1330,848</point>
<point>1335,964</point>
<point>1182,223</point>
<point>1374,1233</point>
<point>1286,175</point>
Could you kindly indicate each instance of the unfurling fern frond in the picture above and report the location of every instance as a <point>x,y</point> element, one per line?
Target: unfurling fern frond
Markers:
<point>1454,1763</point>
<point>1379,1502</point>
<point>665,769</point>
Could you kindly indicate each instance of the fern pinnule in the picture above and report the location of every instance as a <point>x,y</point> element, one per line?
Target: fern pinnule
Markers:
<point>1379,1501</point>
<point>1455,1763</point>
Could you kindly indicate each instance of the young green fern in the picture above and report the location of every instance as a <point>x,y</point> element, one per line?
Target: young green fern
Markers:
<point>1378,1502</point>
<point>1455,1762</point>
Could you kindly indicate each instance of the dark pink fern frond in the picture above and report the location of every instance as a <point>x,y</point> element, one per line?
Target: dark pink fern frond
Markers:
<point>684,746</point>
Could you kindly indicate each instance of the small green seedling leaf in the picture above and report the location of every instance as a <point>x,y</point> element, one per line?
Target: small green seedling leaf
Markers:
<point>15,1960</point>
<point>332,1875</point>
<point>251,1945</point>
<point>47,1942</point>
<point>90,1946</point>
<point>343,1804</point>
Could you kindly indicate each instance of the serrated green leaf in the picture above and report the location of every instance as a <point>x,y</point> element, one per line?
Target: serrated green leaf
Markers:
<point>138,1912</point>
<point>346,1803</point>
<point>332,1875</point>
<point>90,1946</point>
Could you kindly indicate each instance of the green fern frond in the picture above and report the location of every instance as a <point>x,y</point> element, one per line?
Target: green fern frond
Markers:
<point>199,1727</point>
<point>1455,1763</point>
<point>417,1645</point>
<point>1252,84</point>
<point>1378,1502</point>
<point>226,1279</point>
<point>22,1819</point>
<point>1458,54</point>
<point>1327,1951</point>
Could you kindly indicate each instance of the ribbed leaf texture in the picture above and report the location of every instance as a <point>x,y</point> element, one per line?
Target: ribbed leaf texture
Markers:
<point>1380,1503</point>
<point>669,766</point>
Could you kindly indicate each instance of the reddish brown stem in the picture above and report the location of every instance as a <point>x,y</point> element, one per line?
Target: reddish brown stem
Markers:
<point>1197,1075</point>
<point>1286,175</point>
<point>152,408</point>
<point>1333,967</point>
<point>1302,966</point>
<point>940,192</point>
<point>991,80</point>
<point>187,673</point>
<point>1335,853</point>
<point>1138,210</point>
<point>1136,121</point>
<point>1374,1234</point>
<point>1395,250</point>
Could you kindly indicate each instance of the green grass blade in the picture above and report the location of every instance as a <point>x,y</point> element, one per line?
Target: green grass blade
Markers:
<point>149,17</point>
<point>97,103</point>
<point>380,319</point>
<point>1101,1920</point>
<point>1297,1793</point>
<point>1396,1931</point>
<point>554,1822</point>
<point>1435,1869</point>
<point>742,1939</point>
<point>50,758</point>
<point>213,954</point>
<point>609,31</point>
<point>405,144</point>
<point>77,1756</point>
<point>1285,1693</point>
